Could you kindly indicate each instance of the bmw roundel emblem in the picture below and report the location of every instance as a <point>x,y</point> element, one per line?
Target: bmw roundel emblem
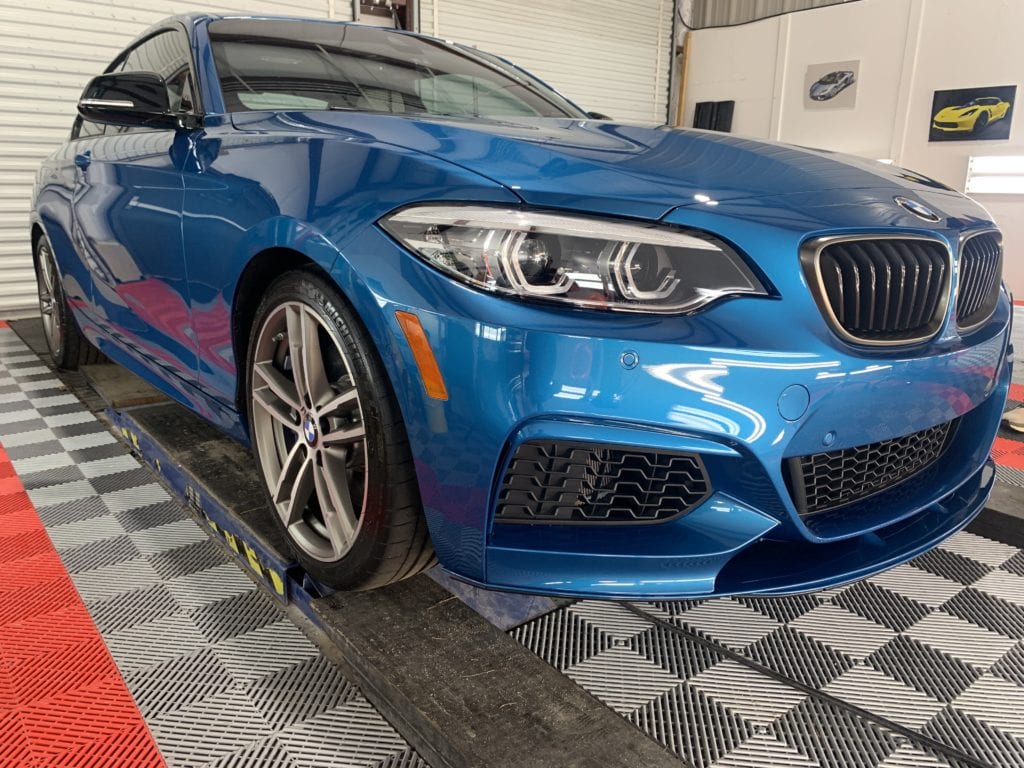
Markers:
<point>920,210</point>
<point>309,431</point>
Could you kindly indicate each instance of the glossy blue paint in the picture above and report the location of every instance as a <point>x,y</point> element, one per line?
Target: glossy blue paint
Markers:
<point>154,234</point>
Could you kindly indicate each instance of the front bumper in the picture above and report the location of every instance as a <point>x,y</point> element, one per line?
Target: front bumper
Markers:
<point>746,385</point>
<point>954,126</point>
<point>747,537</point>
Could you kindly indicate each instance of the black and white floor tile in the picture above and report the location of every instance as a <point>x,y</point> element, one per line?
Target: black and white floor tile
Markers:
<point>223,678</point>
<point>922,665</point>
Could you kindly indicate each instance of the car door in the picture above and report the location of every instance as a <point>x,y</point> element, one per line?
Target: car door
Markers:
<point>127,212</point>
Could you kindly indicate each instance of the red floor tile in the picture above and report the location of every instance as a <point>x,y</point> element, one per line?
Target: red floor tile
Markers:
<point>62,700</point>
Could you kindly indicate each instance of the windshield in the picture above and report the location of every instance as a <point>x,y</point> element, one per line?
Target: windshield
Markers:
<point>296,65</point>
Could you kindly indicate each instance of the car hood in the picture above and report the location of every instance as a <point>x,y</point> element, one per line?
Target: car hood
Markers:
<point>608,167</point>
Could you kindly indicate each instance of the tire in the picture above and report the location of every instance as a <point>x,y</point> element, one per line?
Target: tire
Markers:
<point>332,449</point>
<point>981,123</point>
<point>68,347</point>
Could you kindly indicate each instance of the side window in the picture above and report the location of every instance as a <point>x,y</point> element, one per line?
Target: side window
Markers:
<point>167,54</point>
<point>83,129</point>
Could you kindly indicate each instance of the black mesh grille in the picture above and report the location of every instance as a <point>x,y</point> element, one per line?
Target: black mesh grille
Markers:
<point>590,482</point>
<point>981,270</point>
<point>885,290</point>
<point>824,481</point>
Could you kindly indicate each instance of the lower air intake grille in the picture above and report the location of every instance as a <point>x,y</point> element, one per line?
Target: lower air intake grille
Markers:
<point>883,290</point>
<point>824,481</point>
<point>574,482</point>
<point>981,271</point>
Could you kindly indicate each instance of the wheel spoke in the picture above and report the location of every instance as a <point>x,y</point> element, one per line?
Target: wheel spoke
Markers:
<point>307,356</point>
<point>44,264</point>
<point>294,323</point>
<point>276,395</point>
<point>345,402</point>
<point>313,363</point>
<point>295,485</point>
<point>278,410</point>
<point>336,503</point>
<point>45,283</point>
<point>351,433</point>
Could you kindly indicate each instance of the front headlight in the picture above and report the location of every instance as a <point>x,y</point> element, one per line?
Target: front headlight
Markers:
<point>593,263</point>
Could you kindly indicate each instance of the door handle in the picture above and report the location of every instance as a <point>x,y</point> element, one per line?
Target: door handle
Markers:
<point>83,159</point>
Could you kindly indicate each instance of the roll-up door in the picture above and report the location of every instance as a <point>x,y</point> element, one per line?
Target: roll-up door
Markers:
<point>607,56</point>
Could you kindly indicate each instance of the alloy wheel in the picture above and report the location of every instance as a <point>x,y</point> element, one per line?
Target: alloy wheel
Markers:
<point>309,431</point>
<point>48,298</point>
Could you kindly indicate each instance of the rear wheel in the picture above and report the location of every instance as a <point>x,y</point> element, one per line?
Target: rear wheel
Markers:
<point>329,440</point>
<point>68,347</point>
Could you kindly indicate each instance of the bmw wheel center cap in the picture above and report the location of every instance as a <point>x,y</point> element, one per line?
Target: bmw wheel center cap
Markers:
<point>309,430</point>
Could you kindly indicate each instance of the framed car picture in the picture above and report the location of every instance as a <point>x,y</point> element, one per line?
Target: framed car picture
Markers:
<point>832,85</point>
<point>972,114</point>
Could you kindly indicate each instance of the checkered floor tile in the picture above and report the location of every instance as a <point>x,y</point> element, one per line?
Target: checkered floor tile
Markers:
<point>221,675</point>
<point>922,665</point>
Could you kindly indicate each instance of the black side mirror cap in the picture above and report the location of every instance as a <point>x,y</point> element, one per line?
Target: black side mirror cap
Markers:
<point>597,116</point>
<point>135,99</point>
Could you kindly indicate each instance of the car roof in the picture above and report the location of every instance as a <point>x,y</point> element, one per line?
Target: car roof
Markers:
<point>191,20</point>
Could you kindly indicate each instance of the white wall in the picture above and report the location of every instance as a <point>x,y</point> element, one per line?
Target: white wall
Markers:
<point>907,50</point>
<point>721,68</point>
<point>874,33</point>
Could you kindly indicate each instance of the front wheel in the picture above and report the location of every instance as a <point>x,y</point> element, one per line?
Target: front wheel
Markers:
<point>329,440</point>
<point>981,123</point>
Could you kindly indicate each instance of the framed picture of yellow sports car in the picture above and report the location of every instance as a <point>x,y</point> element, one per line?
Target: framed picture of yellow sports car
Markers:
<point>972,114</point>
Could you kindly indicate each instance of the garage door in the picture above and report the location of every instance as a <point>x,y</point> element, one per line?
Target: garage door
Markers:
<point>606,55</point>
<point>48,50</point>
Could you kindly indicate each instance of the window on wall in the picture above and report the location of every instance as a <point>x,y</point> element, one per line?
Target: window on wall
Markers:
<point>995,175</point>
<point>383,13</point>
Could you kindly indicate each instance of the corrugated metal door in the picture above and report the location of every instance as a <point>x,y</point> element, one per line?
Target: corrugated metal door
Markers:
<point>605,55</point>
<point>48,51</point>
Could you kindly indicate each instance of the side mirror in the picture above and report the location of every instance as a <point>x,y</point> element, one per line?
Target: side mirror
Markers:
<point>597,116</point>
<point>128,98</point>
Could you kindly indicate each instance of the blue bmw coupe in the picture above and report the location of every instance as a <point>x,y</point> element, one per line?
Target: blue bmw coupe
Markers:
<point>454,313</point>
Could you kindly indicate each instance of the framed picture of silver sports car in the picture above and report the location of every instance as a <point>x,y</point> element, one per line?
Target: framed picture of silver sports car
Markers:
<point>972,114</point>
<point>832,85</point>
